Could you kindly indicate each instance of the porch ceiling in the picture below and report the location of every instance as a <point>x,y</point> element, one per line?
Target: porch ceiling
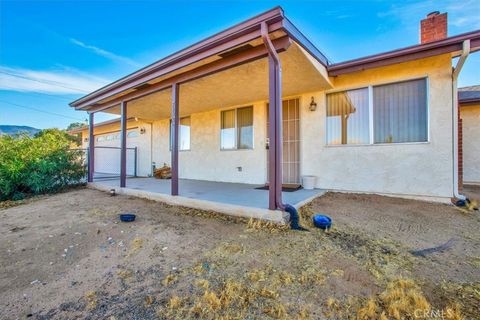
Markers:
<point>235,86</point>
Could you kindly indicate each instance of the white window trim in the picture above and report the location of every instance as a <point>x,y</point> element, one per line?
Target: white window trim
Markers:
<point>236,129</point>
<point>370,114</point>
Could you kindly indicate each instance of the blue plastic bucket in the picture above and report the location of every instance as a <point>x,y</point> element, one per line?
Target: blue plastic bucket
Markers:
<point>321,221</point>
<point>127,217</point>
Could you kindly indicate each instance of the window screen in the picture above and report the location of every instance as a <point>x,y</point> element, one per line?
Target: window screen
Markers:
<point>400,112</point>
<point>245,128</point>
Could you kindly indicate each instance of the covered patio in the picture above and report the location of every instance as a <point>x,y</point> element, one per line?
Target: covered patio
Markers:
<point>265,58</point>
<point>231,198</point>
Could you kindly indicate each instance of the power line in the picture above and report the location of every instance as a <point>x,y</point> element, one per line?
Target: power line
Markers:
<point>37,93</point>
<point>39,110</point>
<point>49,82</point>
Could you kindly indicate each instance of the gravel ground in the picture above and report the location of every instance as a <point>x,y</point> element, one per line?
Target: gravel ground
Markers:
<point>66,256</point>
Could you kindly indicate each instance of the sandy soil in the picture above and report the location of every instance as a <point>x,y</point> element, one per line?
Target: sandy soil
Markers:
<point>66,256</point>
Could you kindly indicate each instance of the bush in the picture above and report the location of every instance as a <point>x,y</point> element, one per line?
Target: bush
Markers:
<point>42,164</point>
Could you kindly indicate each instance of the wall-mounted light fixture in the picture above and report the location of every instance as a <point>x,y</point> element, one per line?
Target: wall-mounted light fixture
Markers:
<point>142,130</point>
<point>313,105</point>
<point>86,139</point>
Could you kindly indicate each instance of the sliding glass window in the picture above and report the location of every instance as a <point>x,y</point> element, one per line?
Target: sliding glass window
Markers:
<point>237,129</point>
<point>348,117</point>
<point>183,134</point>
<point>390,113</point>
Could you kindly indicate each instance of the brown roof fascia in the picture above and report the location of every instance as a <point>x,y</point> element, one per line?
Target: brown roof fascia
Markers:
<point>100,124</point>
<point>231,37</point>
<point>448,45</point>
<point>303,41</point>
<point>469,102</point>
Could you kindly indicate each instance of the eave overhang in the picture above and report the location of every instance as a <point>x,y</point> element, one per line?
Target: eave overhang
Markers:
<point>215,45</point>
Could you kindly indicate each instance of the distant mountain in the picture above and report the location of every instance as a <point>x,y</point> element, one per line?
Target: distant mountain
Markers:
<point>11,130</point>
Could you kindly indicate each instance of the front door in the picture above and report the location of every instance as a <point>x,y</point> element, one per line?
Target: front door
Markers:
<point>291,141</point>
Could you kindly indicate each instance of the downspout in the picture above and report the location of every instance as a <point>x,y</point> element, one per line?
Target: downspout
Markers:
<point>275,76</point>
<point>455,73</point>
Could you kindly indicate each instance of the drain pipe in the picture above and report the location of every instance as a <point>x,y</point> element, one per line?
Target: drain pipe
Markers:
<point>275,70</point>
<point>455,73</point>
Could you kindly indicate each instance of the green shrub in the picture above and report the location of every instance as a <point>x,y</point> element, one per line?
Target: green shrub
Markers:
<point>42,164</point>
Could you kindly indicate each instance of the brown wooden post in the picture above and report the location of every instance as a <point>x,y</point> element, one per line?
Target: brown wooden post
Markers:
<point>174,134</point>
<point>123,144</point>
<point>272,144</point>
<point>275,118</point>
<point>91,147</point>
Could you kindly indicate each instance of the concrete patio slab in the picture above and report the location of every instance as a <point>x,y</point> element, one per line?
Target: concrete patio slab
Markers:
<point>236,199</point>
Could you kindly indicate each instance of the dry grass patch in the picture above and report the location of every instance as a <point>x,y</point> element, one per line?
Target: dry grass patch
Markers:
<point>402,299</point>
<point>91,299</point>
<point>125,274</point>
<point>254,225</point>
<point>136,246</point>
<point>170,279</point>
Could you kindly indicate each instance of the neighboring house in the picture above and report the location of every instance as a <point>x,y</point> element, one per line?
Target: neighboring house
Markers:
<point>469,100</point>
<point>383,124</point>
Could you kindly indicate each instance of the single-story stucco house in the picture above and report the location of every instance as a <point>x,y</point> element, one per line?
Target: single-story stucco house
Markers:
<point>259,104</point>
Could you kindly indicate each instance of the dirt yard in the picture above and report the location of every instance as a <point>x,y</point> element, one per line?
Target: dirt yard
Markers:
<point>66,256</point>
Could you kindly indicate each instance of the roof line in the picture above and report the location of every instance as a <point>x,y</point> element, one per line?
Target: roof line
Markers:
<point>100,124</point>
<point>405,51</point>
<point>299,37</point>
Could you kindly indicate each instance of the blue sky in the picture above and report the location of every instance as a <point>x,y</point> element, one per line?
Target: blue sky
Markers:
<point>53,52</point>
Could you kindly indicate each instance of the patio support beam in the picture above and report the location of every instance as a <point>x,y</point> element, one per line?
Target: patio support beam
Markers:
<point>275,119</point>
<point>272,168</point>
<point>91,147</point>
<point>123,144</point>
<point>174,133</point>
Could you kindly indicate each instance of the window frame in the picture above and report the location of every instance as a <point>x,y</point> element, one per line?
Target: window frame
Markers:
<point>236,128</point>
<point>370,113</point>
<point>133,134</point>
<point>170,134</point>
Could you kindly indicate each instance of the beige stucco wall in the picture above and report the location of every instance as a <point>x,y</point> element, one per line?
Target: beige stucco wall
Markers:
<point>205,160</point>
<point>421,169</point>
<point>471,143</point>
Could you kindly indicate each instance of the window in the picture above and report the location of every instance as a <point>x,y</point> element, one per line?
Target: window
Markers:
<point>391,113</point>
<point>132,134</point>
<point>237,129</point>
<point>183,134</point>
<point>347,117</point>
<point>400,112</point>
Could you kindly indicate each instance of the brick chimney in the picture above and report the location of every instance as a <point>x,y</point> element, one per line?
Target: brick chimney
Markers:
<point>433,27</point>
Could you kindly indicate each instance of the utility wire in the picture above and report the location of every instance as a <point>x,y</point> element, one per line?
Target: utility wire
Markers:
<point>49,82</point>
<point>39,110</point>
<point>37,93</point>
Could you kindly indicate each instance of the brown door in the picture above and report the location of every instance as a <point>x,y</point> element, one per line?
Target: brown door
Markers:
<point>291,141</point>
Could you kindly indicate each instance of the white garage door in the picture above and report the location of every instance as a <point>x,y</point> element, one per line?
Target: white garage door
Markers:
<point>107,153</point>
